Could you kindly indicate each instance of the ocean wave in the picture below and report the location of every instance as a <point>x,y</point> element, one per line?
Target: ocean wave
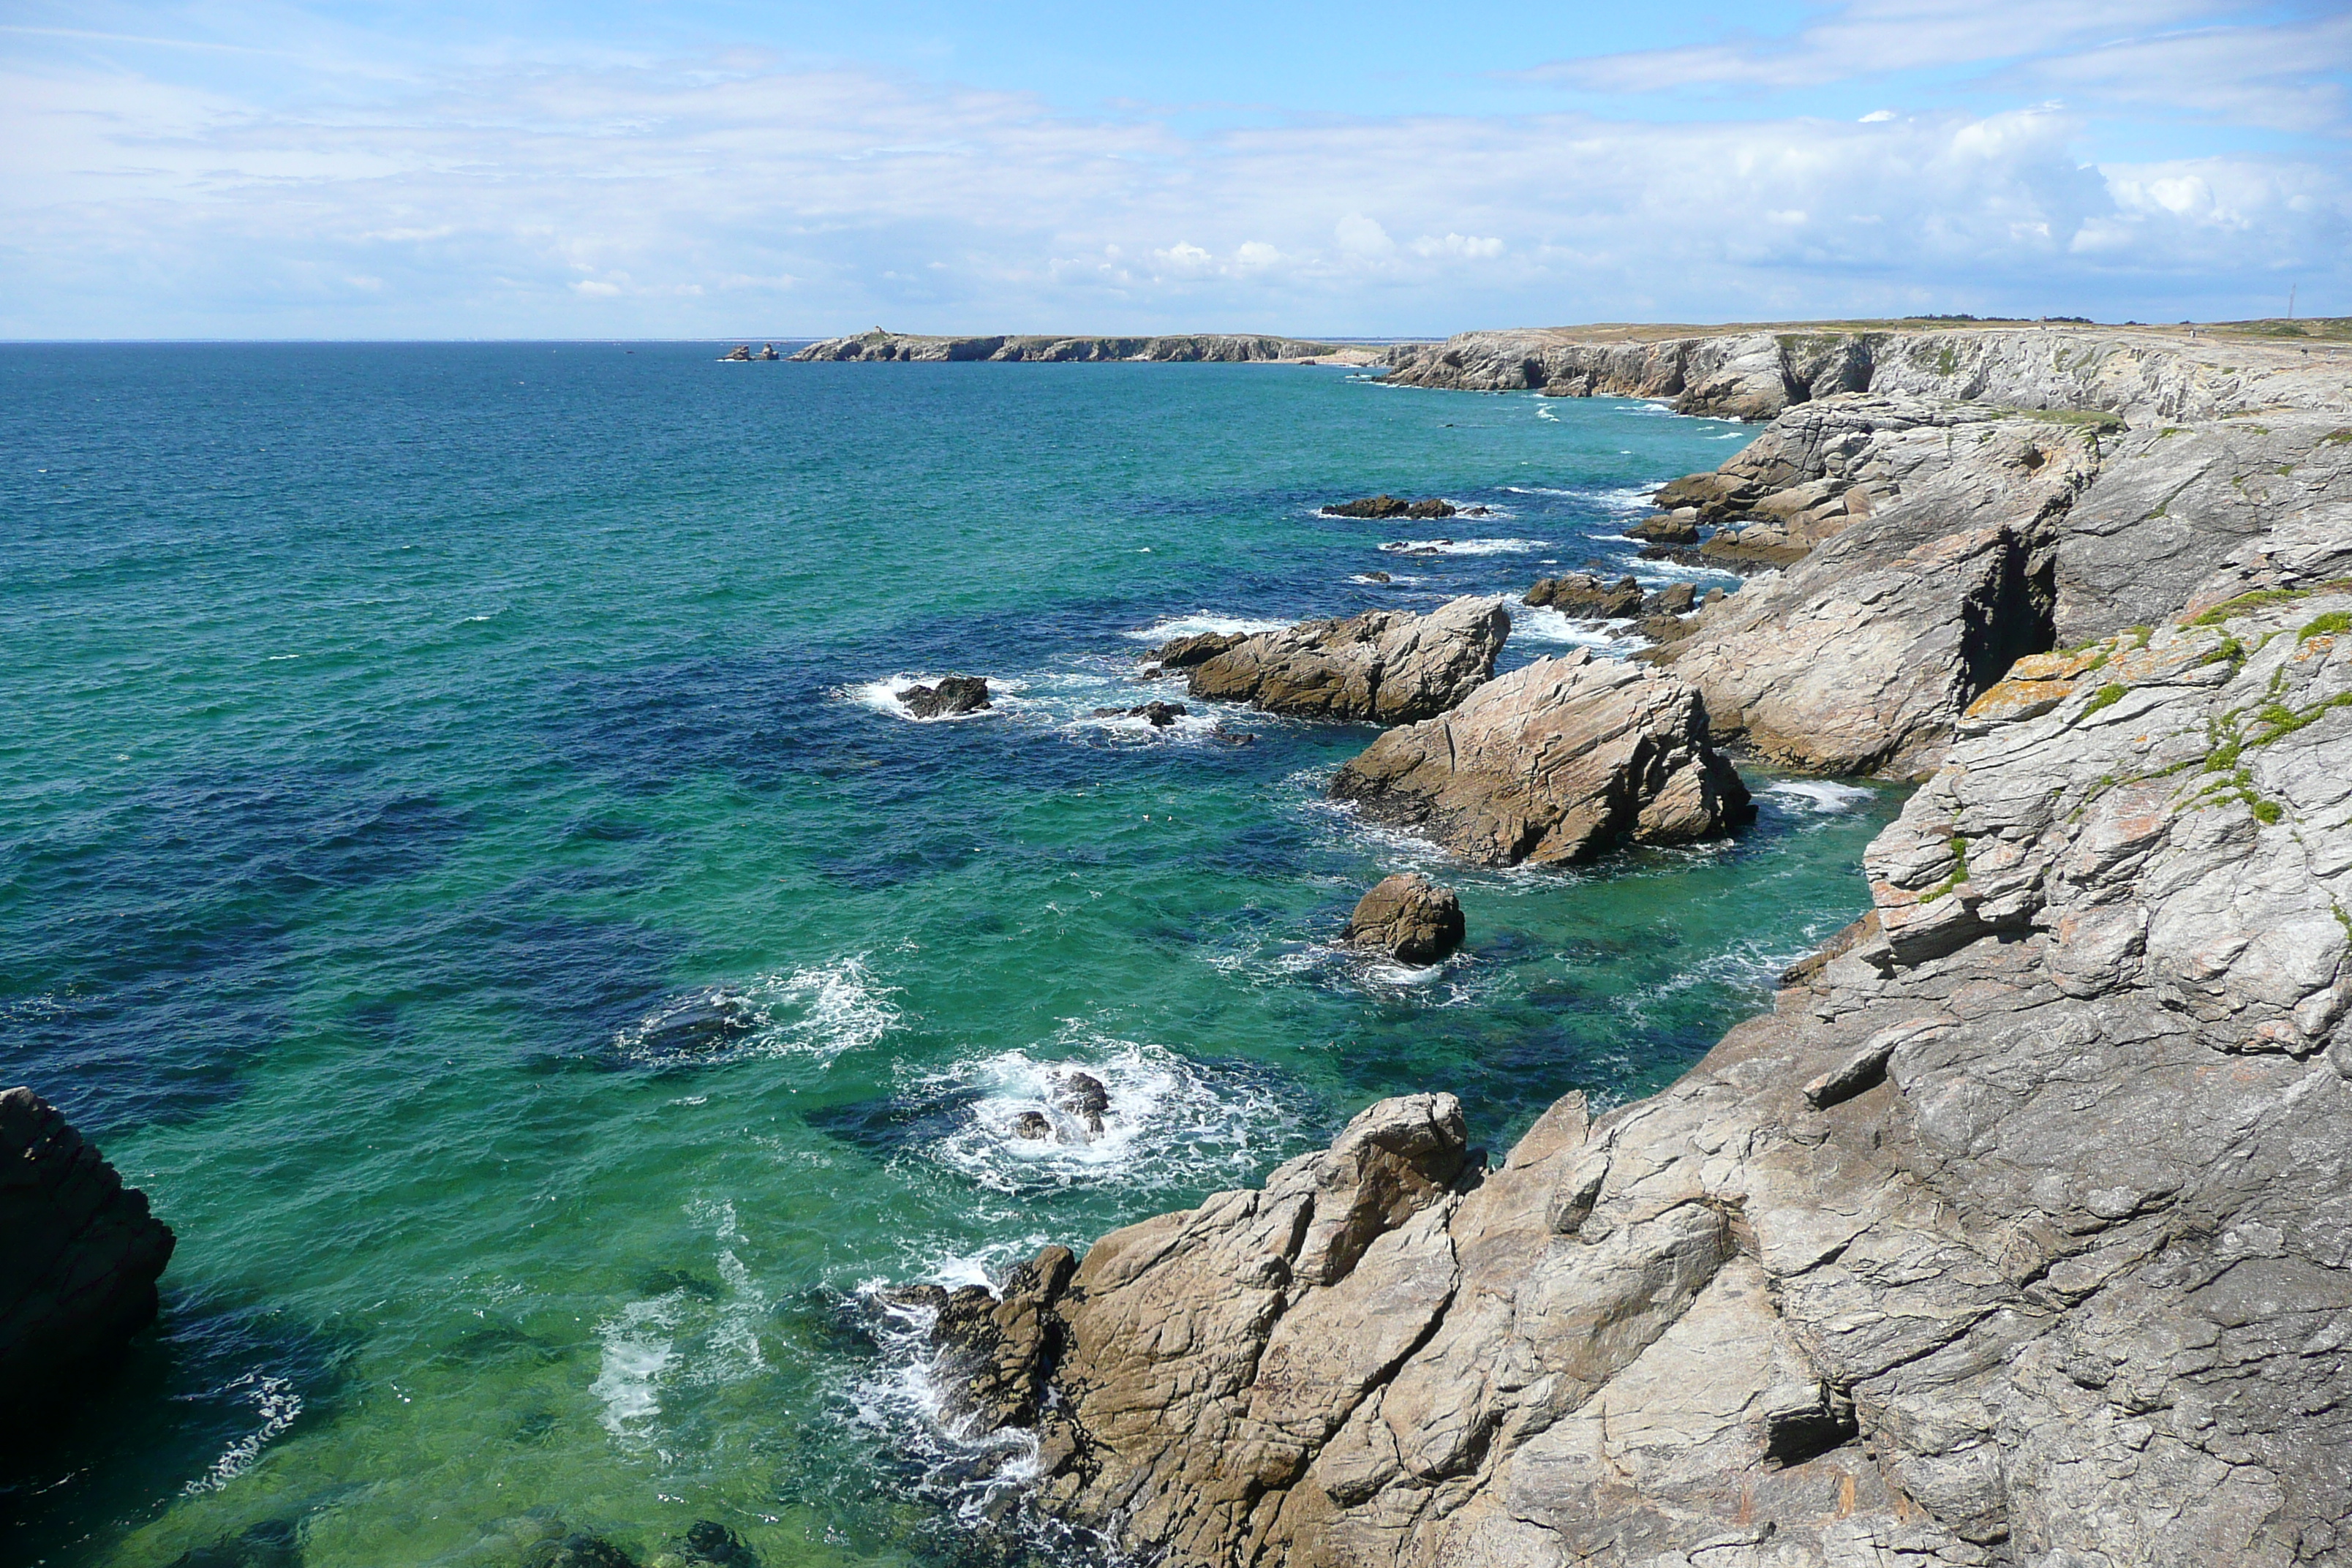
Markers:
<point>1202,623</point>
<point>883,697</point>
<point>275,1404</point>
<point>1172,1124</point>
<point>1543,623</point>
<point>1465,546</point>
<point>819,1011</point>
<point>1821,796</point>
<point>637,1350</point>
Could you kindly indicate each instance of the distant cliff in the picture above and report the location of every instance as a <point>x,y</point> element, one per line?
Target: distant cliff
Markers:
<point>1748,372</point>
<point>1225,347</point>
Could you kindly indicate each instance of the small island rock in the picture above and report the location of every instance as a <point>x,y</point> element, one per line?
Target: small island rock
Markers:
<point>1408,917</point>
<point>1387,666</point>
<point>956,694</point>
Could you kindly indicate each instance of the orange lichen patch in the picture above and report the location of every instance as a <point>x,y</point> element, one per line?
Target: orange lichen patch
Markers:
<point>2055,666</point>
<point>2014,698</point>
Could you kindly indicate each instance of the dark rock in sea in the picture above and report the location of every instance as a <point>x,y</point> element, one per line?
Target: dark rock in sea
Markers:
<point>1587,597</point>
<point>1387,506</point>
<point>706,1021</point>
<point>1184,653</point>
<point>80,1256</point>
<point>1034,1126</point>
<point>707,1541</point>
<point>1377,577</point>
<point>741,353</point>
<point>1668,528</point>
<point>1233,737</point>
<point>996,1351</point>
<point>956,694</point>
<point>1083,1097</point>
<point>1477,511</point>
<point>1159,715</point>
<point>1408,917</point>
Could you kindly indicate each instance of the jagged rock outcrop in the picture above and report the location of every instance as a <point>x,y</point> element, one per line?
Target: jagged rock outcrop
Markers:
<point>1407,916</point>
<point>80,1256</point>
<point>954,696</point>
<point>1861,655</point>
<point>1752,373</point>
<point>1556,763</point>
<point>1385,506</point>
<point>2014,1235</point>
<point>1226,347</point>
<point>1581,594</point>
<point>1390,666</point>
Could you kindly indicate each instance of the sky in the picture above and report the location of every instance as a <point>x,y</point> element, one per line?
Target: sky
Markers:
<point>721,168</point>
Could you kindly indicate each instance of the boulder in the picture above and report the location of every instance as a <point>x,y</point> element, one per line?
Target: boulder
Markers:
<point>1387,506</point>
<point>1159,715</point>
<point>1082,1097</point>
<point>956,694</point>
<point>1408,917</point>
<point>80,1256</point>
<point>1184,653</point>
<point>1587,597</point>
<point>705,1021</point>
<point>1034,1126</point>
<point>1668,528</point>
<point>1389,666</point>
<point>1556,763</point>
<point>1377,577</point>
<point>1675,599</point>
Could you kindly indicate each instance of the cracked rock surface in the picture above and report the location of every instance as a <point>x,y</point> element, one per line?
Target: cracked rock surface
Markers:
<point>1390,666</point>
<point>2019,1233</point>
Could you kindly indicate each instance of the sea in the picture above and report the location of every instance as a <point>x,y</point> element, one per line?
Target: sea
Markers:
<point>463,857</point>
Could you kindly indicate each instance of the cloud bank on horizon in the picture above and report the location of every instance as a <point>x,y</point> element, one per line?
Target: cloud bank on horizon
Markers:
<point>258,168</point>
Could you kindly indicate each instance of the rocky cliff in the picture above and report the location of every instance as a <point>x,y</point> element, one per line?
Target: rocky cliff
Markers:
<point>1228,347</point>
<point>1752,373</point>
<point>2016,1234</point>
<point>80,1256</point>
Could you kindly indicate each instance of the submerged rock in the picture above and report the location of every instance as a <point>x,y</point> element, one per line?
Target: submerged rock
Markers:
<point>707,1541</point>
<point>956,694</point>
<point>706,1021</point>
<point>1556,763</point>
<point>1408,917</point>
<point>1387,506</point>
<point>1387,666</point>
<point>1159,715</point>
<point>272,1543</point>
<point>80,1256</point>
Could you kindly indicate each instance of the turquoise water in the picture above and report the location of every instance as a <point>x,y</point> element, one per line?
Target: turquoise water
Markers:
<point>395,733</point>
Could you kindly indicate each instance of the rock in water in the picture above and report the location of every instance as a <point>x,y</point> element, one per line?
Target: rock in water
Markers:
<point>706,1021</point>
<point>1084,1097</point>
<point>1668,528</point>
<point>1587,597</point>
<point>956,694</point>
<point>1159,715</point>
<point>80,1256</point>
<point>1553,764</point>
<point>1386,506</point>
<point>707,1541</point>
<point>1407,916</point>
<point>1184,653</point>
<point>1386,666</point>
<point>1034,1126</point>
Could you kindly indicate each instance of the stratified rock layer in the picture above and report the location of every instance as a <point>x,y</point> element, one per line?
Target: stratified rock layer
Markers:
<point>1390,666</point>
<point>2015,1235</point>
<point>1555,762</point>
<point>80,1256</point>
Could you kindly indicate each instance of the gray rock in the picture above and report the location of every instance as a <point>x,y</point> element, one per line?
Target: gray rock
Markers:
<point>1555,762</point>
<point>1407,916</point>
<point>80,1256</point>
<point>1386,506</point>
<point>880,345</point>
<point>1587,597</point>
<point>1184,653</point>
<point>1386,666</point>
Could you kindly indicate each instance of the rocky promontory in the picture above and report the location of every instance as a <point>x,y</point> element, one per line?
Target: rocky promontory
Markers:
<point>2014,1235</point>
<point>1221,347</point>
<point>80,1256</point>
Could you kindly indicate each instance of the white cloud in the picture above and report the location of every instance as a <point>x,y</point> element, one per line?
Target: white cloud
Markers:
<point>1360,236</point>
<point>1471,246</point>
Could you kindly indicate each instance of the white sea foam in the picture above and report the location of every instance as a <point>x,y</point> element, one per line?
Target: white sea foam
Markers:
<point>818,1011</point>
<point>1821,796</point>
<point>1172,1123</point>
<point>1202,623</point>
<point>275,1403</point>
<point>1465,546</point>
<point>1545,624</point>
<point>883,697</point>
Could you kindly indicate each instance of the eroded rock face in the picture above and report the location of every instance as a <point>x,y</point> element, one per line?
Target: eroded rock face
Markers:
<point>80,1256</point>
<point>1553,764</point>
<point>1184,653</point>
<point>1407,916</point>
<point>2013,1237</point>
<point>1390,666</point>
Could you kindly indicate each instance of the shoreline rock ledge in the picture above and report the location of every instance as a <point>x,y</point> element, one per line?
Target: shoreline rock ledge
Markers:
<point>1556,763</point>
<point>2015,1236</point>
<point>1389,666</point>
<point>80,1256</point>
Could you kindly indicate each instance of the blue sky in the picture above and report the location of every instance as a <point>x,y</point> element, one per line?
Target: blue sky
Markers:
<point>718,167</point>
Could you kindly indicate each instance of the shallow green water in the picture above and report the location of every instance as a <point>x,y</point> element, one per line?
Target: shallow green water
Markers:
<point>397,733</point>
